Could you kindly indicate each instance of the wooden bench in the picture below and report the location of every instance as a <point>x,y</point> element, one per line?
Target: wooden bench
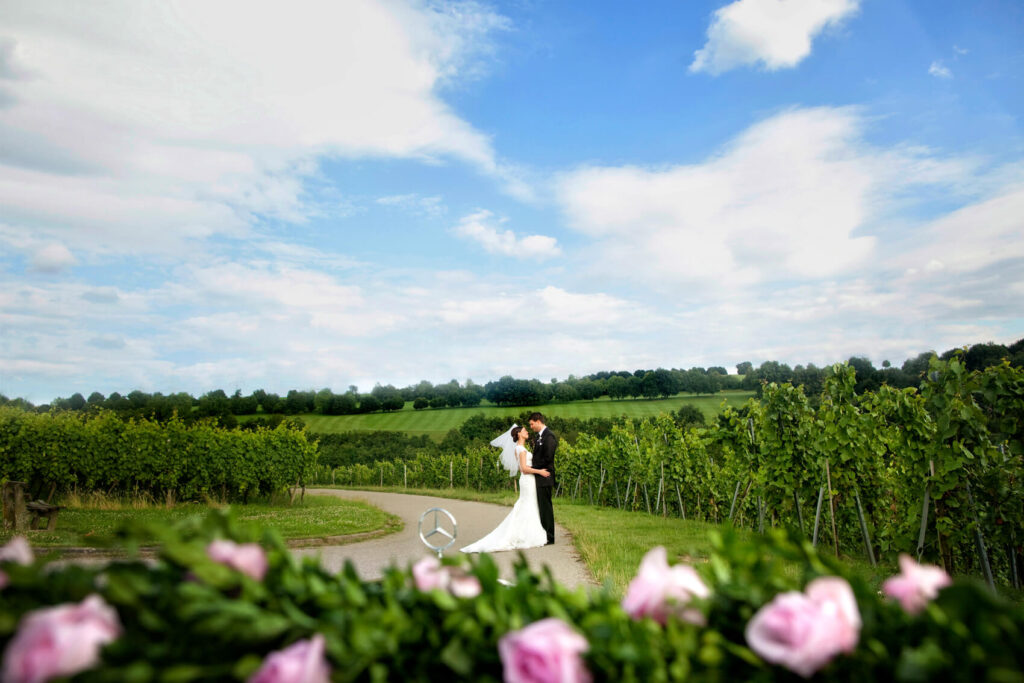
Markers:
<point>39,510</point>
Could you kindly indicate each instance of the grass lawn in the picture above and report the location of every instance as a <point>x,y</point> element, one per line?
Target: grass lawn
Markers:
<point>315,517</point>
<point>437,423</point>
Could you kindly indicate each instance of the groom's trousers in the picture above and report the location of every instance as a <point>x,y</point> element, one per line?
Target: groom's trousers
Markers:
<point>547,515</point>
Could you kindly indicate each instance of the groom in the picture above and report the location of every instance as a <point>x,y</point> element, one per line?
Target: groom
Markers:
<point>544,459</point>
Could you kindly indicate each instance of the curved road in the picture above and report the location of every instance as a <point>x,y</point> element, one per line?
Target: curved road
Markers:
<point>475,520</point>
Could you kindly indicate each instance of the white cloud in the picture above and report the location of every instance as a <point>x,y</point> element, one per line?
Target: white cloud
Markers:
<point>775,33</point>
<point>971,238</point>
<point>482,227</point>
<point>53,258</point>
<point>789,198</point>
<point>281,326</point>
<point>432,206</point>
<point>939,71</point>
<point>136,126</point>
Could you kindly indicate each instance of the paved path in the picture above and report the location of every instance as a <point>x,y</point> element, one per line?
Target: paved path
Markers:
<point>475,520</point>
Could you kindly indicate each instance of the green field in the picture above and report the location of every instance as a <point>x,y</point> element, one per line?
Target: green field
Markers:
<point>437,422</point>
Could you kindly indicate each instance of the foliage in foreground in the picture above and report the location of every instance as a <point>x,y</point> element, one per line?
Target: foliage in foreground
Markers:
<point>186,616</point>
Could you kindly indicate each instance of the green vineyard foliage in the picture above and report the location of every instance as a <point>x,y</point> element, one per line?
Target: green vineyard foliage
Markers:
<point>960,437</point>
<point>68,451</point>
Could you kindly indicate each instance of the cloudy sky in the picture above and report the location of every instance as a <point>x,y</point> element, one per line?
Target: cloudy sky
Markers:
<point>242,194</point>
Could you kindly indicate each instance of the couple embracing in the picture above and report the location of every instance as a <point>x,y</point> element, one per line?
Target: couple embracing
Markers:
<point>532,521</point>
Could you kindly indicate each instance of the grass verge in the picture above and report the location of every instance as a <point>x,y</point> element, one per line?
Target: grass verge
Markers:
<point>316,517</point>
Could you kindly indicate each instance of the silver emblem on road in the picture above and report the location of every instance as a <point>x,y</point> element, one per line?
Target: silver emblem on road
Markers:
<point>438,528</point>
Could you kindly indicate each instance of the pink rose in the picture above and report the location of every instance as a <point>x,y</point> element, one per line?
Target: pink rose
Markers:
<point>804,631</point>
<point>301,662</point>
<point>659,590</point>
<point>835,599</point>
<point>546,651</point>
<point>17,550</point>
<point>60,641</point>
<point>463,585</point>
<point>916,584</point>
<point>429,574</point>
<point>247,558</point>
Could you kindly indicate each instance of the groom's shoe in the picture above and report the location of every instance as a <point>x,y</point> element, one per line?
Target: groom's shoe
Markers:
<point>550,543</point>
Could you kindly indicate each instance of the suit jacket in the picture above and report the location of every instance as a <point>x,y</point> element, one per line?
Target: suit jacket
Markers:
<point>544,456</point>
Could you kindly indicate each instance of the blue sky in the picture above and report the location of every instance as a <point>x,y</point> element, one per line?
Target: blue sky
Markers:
<point>248,195</point>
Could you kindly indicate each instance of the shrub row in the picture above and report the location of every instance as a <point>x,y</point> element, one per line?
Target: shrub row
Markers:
<point>66,451</point>
<point>200,611</point>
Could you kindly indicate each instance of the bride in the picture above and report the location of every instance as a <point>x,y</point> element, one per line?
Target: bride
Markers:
<point>521,528</point>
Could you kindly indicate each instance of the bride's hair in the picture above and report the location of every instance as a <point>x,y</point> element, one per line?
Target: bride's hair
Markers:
<point>515,433</point>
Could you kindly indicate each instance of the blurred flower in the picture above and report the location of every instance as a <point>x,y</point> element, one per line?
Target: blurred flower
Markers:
<point>546,651</point>
<point>248,558</point>
<point>804,631</point>
<point>916,584</point>
<point>301,662</point>
<point>60,641</point>
<point>429,574</point>
<point>659,590</point>
<point>463,585</point>
<point>17,550</point>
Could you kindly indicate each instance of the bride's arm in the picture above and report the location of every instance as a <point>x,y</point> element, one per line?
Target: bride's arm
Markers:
<point>526,469</point>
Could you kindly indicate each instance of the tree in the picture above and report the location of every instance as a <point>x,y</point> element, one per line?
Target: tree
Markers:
<point>95,399</point>
<point>744,368</point>
<point>688,415</point>
<point>420,403</point>
<point>76,402</point>
<point>368,403</point>
<point>472,394</point>
<point>587,389</point>
<point>214,404</point>
<point>868,378</point>
<point>649,385</point>
<point>981,356</point>
<point>322,402</point>
<point>564,392</point>
<point>917,367</point>
<point>272,403</point>
<point>617,386</point>
<point>299,402</point>
<point>343,404</point>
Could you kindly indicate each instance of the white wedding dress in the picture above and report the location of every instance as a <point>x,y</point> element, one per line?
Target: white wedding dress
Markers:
<point>521,528</point>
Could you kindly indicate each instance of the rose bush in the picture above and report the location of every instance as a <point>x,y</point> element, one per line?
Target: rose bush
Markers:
<point>659,590</point>
<point>60,641</point>
<point>182,616</point>
<point>916,584</point>
<point>546,651</point>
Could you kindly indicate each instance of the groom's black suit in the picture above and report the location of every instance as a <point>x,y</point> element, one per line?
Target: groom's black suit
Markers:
<point>544,459</point>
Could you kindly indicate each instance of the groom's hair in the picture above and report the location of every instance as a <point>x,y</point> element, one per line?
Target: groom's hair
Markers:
<point>537,417</point>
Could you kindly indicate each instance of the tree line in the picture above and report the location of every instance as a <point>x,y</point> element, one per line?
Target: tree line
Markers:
<point>510,391</point>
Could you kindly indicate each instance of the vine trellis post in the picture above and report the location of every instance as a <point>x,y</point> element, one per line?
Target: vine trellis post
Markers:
<point>832,507</point>
<point>864,529</point>
<point>817,515</point>
<point>980,540</point>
